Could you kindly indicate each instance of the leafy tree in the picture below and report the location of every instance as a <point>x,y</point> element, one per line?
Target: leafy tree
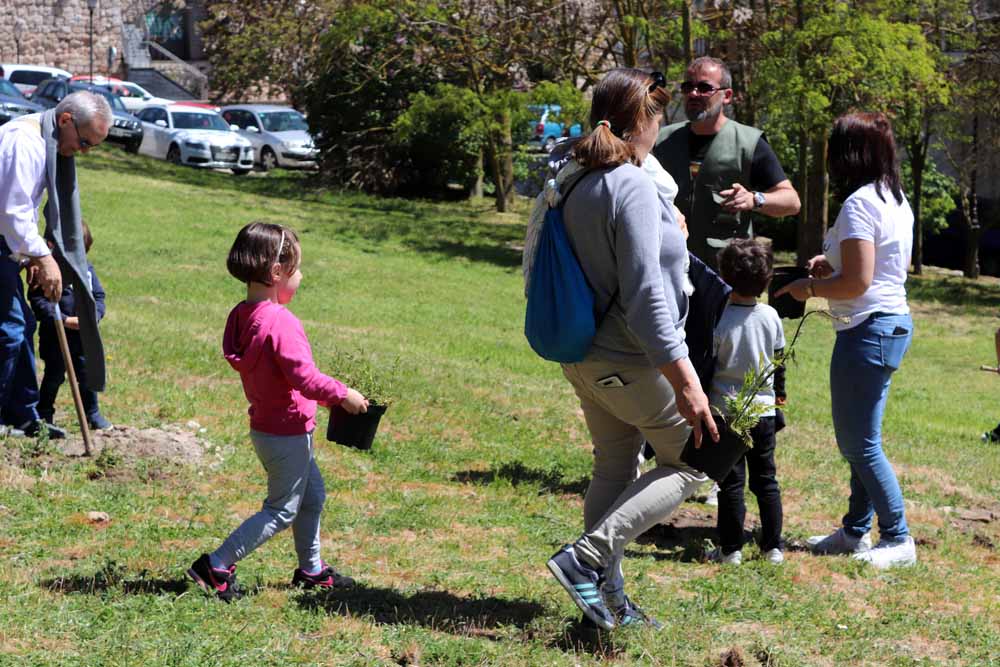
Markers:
<point>840,60</point>
<point>254,46</point>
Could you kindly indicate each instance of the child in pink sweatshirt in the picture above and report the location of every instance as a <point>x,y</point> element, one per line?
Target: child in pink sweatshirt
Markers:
<point>266,344</point>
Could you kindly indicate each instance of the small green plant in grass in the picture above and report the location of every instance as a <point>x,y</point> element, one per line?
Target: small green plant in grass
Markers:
<point>743,408</point>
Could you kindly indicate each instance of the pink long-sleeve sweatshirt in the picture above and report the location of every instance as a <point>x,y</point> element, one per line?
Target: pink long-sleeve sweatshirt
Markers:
<point>269,348</point>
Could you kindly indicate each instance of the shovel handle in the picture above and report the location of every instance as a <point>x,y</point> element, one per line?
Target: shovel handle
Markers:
<point>991,369</point>
<point>71,374</point>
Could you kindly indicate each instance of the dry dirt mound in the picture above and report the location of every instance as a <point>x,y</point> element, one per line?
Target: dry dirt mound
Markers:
<point>171,443</point>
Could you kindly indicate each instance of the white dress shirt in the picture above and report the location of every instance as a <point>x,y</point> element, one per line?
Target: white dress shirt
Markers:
<point>22,182</point>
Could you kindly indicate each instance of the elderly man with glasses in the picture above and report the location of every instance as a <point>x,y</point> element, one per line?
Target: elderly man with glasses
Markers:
<point>37,155</point>
<point>723,169</point>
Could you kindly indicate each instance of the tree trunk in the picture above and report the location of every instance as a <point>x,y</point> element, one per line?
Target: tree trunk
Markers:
<point>817,195</point>
<point>802,238</point>
<point>503,161</point>
<point>686,32</point>
<point>918,159</point>
<point>971,267</point>
<point>477,189</point>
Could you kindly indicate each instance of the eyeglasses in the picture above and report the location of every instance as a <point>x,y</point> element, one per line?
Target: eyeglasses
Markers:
<point>703,88</point>
<point>659,81</point>
<point>84,144</point>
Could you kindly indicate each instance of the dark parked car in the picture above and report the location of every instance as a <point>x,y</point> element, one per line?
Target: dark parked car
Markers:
<point>13,103</point>
<point>126,128</point>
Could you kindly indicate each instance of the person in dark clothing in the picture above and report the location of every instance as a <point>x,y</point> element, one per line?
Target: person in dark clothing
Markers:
<point>723,169</point>
<point>51,355</point>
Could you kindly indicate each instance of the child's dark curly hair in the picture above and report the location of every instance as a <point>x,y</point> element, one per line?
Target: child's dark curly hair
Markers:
<point>747,266</point>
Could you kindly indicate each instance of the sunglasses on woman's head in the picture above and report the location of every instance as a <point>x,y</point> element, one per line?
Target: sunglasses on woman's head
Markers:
<point>659,81</point>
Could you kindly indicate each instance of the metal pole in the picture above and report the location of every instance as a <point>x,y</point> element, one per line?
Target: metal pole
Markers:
<point>90,7</point>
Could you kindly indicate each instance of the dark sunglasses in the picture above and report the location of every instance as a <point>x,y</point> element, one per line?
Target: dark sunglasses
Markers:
<point>659,81</point>
<point>79,137</point>
<point>703,88</point>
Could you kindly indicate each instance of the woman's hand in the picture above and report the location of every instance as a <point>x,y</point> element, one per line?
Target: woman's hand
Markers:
<point>354,403</point>
<point>799,289</point>
<point>692,403</point>
<point>819,267</point>
<point>693,406</point>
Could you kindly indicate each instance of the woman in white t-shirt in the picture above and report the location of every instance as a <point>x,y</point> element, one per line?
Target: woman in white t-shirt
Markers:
<point>862,274</point>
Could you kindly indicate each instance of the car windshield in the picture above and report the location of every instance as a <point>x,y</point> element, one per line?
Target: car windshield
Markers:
<point>9,89</point>
<point>283,121</point>
<point>193,120</point>
<point>129,90</point>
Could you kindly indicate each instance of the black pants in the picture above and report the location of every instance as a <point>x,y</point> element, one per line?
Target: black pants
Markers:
<point>55,370</point>
<point>763,483</point>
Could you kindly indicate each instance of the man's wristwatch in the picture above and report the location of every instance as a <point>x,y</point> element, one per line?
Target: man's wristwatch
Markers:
<point>758,199</point>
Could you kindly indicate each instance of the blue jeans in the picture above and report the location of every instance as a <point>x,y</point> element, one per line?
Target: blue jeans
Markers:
<point>864,358</point>
<point>18,382</point>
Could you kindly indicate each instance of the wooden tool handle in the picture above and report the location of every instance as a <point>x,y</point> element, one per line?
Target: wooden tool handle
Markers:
<point>71,375</point>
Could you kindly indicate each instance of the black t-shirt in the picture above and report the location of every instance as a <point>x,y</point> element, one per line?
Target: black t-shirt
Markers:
<point>765,170</point>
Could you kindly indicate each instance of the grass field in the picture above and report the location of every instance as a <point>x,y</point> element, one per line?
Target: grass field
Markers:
<point>477,474</point>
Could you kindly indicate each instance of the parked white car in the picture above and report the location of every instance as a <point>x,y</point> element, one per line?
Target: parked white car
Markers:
<point>132,95</point>
<point>26,77</point>
<point>194,136</point>
<point>280,135</point>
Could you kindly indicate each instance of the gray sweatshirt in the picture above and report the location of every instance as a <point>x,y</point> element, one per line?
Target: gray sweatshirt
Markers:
<point>627,244</point>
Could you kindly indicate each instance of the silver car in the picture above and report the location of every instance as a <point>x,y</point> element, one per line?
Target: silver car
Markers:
<point>280,135</point>
<point>194,136</point>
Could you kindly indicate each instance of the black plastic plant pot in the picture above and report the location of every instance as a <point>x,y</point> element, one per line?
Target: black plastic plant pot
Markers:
<point>356,431</point>
<point>786,304</point>
<point>715,459</point>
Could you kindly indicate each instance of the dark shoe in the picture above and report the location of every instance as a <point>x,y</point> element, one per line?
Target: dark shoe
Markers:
<point>583,584</point>
<point>35,428</point>
<point>221,582</point>
<point>97,422</point>
<point>327,578</point>
<point>630,614</point>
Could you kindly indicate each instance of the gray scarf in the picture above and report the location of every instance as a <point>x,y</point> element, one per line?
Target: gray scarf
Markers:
<point>64,227</point>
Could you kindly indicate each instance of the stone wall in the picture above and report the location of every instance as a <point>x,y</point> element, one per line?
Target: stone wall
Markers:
<point>57,33</point>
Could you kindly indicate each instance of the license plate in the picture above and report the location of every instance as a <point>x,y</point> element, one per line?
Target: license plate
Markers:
<point>116,132</point>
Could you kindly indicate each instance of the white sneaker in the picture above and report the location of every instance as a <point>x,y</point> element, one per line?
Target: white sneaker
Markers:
<point>888,554</point>
<point>839,542</point>
<point>774,556</point>
<point>712,498</point>
<point>734,558</point>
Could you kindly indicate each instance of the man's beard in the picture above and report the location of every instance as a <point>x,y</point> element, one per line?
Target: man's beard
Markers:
<point>710,112</point>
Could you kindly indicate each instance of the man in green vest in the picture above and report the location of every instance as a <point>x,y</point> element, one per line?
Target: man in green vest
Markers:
<point>723,169</point>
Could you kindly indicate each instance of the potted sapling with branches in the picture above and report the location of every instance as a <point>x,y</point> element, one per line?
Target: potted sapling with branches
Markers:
<point>742,413</point>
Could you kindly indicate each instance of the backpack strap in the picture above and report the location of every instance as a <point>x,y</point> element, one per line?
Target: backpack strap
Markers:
<point>568,188</point>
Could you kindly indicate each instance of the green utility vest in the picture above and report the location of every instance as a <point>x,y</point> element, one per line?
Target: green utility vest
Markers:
<point>727,161</point>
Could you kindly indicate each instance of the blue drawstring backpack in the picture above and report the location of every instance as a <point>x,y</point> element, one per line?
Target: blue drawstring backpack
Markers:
<point>559,322</point>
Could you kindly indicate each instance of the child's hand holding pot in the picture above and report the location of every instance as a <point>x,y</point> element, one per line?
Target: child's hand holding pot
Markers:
<point>354,402</point>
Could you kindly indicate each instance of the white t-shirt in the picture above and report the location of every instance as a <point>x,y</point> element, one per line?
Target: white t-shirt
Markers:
<point>889,226</point>
<point>744,336</point>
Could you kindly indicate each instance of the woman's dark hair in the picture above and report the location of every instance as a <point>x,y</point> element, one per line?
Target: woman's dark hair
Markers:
<point>746,266</point>
<point>625,102</point>
<point>862,151</point>
<point>256,249</point>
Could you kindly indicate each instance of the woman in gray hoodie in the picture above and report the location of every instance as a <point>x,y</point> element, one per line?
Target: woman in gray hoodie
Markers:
<point>636,384</point>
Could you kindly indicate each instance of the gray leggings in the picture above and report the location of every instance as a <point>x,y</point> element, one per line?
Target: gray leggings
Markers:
<point>295,496</point>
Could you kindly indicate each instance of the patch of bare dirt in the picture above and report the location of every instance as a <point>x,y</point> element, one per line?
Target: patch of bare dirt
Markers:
<point>174,444</point>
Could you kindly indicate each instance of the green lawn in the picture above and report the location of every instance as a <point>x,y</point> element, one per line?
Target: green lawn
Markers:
<point>477,474</point>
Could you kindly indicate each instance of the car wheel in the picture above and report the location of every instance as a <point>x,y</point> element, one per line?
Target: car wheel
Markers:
<point>268,160</point>
<point>174,154</point>
<point>133,146</point>
<point>550,143</point>
<point>240,172</point>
